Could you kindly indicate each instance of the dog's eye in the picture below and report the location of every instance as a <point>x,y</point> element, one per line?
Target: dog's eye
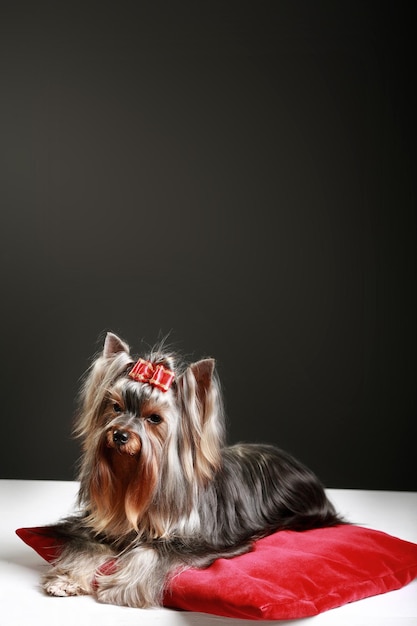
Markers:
<point>117,408</point>
<point>154,419</point>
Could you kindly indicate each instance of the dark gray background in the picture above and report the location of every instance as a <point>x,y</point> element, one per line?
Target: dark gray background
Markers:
<point>240,175</point>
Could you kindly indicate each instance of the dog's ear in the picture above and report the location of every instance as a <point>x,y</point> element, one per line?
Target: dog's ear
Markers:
<point>113,345</point>
<point>104,370</point>
<point>202,420</point>
<point>203,374</point>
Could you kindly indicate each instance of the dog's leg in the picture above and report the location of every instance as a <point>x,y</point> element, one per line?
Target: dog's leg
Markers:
<point>138,580</point>
<point>139,577</point>
<point>73,574</point>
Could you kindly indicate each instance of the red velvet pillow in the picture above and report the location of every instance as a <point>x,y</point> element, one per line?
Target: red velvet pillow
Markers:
<point>288,575</point>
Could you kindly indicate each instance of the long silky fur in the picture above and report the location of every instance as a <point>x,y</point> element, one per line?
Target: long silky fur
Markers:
<point>174,495</point>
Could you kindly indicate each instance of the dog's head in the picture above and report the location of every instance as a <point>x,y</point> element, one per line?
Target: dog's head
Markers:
<point>152,430</point>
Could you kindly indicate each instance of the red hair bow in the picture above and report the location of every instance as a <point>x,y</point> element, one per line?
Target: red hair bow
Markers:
<point>156,375</point>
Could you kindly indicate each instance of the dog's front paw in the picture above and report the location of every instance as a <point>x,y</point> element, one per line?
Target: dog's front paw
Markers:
<point>134,595</point>
<point>135,580</point>
<point>119,596</point>
<point>62,585</point>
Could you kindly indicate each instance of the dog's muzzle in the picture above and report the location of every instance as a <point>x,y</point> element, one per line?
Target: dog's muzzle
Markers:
<point>124,441</point>
<point>120,437</point>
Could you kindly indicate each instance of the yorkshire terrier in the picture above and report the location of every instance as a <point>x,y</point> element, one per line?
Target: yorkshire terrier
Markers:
<point>159,489</point>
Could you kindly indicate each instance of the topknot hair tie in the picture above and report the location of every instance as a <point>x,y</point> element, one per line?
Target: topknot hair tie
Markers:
<point>156,375</point>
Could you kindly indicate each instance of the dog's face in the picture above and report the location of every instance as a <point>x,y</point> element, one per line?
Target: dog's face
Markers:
<point>136,415</point>
<point>146,448</point>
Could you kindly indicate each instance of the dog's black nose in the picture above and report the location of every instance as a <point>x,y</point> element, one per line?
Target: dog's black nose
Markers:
<point>120,437</point>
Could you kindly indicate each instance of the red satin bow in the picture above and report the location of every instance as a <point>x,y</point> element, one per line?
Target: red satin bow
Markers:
<point>156,375</point>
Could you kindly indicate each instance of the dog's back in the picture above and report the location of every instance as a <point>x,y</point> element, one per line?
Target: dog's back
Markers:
<point>260,489</point>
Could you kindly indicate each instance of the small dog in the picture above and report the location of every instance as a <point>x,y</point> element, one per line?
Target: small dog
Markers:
<point>159,490</point>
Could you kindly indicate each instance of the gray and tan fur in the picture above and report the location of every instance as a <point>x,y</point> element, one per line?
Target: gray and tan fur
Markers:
<point>159,489</point>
